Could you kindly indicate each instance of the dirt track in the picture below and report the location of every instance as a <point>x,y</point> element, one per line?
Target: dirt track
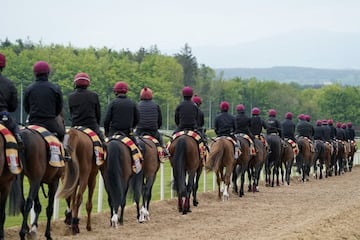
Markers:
<point>319,209</point>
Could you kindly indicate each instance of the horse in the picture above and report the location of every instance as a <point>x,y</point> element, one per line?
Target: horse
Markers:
<point>319,158</point>
<point>353,149</point>
<point>36,168</point>
<point>119,177</point>
<point>6,180</point>
<point>221,159</point>
<point>255,165</point>
<point>185,160</point>
<point>241,165</point>
<point>328,151</point>
<point>151,166</point>
<point>80,173</point>
<point>287,159</point>
<point>305,158</point>
<point>273,160</point>
<point>339,161</point>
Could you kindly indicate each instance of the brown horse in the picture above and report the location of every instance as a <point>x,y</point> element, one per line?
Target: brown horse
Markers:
<point>305,157</point>
<point>119,176</point>
<point>287,159</point>
<point>151,166</point>
<point>38,171</point>
<point>340,157</point>
<point>6,180</point>
<point>241,165</point>
<point>221,159</point>
<point>353,149</point>
<point>328,151</point>
<point>273,160</point>
<point>185,160</point>
<point>255,165</point>
<point>80,173</point>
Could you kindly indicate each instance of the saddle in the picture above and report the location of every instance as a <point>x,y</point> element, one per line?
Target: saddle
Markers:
<point>159,148</point>
<point>203,152</point>
<point>263,140</point>
<point>252,147</point>
<point>294,146</point>
<point>237,149</point>
<point>312,148</point>
<point>136,154</point>
<point>97,145</point>
<point>11,151</point>
<point>55,147</point>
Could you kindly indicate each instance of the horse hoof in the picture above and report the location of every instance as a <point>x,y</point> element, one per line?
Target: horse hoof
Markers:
<point>195,203</point>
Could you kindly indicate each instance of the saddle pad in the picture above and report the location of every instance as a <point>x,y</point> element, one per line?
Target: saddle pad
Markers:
<point>157,144</point>
<point>55,147</point>
<point>197,137</point>
<point>98,149</point>
<point>11,147</point>
<point>247,137</point>
<point>135,152</point>
<point>294,146</point>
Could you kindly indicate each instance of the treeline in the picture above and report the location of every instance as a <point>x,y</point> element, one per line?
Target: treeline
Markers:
<point>166,75</point>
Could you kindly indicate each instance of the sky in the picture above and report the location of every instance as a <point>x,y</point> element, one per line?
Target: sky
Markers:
<point>170,24</point>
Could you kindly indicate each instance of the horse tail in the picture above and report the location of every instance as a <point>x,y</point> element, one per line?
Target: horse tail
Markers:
<point>215,157</point>
<point>15,201</point>
<point>179,166</point>
<point>72,168</point>
<point>114,174</point>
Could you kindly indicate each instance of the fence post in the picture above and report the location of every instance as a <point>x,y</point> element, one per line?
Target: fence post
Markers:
<point>162,182</point>
<point>205,182</point>
<point>101,193</point>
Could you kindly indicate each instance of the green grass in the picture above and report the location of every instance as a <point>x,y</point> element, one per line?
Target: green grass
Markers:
<point>16,220</point>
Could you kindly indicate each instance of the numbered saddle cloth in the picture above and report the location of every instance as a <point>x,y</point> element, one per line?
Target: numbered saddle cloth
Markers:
<point>56,149</point>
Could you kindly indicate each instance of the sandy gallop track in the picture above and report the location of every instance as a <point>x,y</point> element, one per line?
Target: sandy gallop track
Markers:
<point>319,209</point>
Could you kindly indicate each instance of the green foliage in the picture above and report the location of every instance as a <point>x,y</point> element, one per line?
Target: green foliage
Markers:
<point>166,75</point>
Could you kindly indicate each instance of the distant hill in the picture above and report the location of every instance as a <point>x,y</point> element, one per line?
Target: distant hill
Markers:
<point>300,75</point>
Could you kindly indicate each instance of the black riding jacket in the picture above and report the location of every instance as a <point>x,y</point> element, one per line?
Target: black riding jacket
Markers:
<point>122,115</point>
<point>257,124</point>
<point>319,133</point>
<point>305,129</point>
<point>273,126</point>
<point>84,108</point>
<point>150,115</point>
<point>288,128</point>
<point>242,123</point>
<point>340,134</point>
<point>187,115</point>
<point>327,133</point>
<point>351,133</point>
<point>8,95</point>
<point>224,124</point>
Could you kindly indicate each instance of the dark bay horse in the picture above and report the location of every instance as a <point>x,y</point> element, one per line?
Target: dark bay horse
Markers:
<point>221,161</point>
<point>6,180</point>
<point>241,165</point>
<point>151,166</point>
<point>255,165</point>
<point>353,149</point>
<point>319,158</point>
<point>38,171</point>
<point>273,159</point>
<point>305,157</point>
<point>80,173</point>
<point>185,161</point>
<point>340,156</point>
<point>119,177</point>
<point>328,151</point>
<point>288,155</point>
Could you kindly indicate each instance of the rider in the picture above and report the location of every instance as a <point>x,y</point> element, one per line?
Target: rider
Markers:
<point>332,129</point>
<point>150,117</point>
<point>243,124</point>
<point>200,124</point>
<point>8,103</point>
<point>122,114</point>
<point>273,125</point>
<point>304,128</point>
<point>187,113</point>
<point>319,133</point>
<point>288,127</point>
<point>351,131</point>
<point>84,105</point>
<point>257,123</point>
<point>43,101</point>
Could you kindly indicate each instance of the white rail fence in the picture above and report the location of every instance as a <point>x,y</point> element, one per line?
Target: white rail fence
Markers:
<point>163,181</point>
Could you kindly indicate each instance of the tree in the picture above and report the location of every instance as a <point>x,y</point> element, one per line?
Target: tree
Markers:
<point>189,64</point>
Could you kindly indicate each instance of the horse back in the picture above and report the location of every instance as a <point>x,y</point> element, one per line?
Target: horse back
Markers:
<point>36,158</point>
<point>151,162</point>
<point>81,149</point>
<point>187,148</point>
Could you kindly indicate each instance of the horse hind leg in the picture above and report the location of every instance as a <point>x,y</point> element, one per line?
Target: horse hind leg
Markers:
<point>91,187</point>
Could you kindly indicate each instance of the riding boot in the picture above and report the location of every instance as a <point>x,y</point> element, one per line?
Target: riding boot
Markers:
<point>19,141</point>
<point>67,156</point>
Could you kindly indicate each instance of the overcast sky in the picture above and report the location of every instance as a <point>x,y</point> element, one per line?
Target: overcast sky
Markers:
<point>169,24</point>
